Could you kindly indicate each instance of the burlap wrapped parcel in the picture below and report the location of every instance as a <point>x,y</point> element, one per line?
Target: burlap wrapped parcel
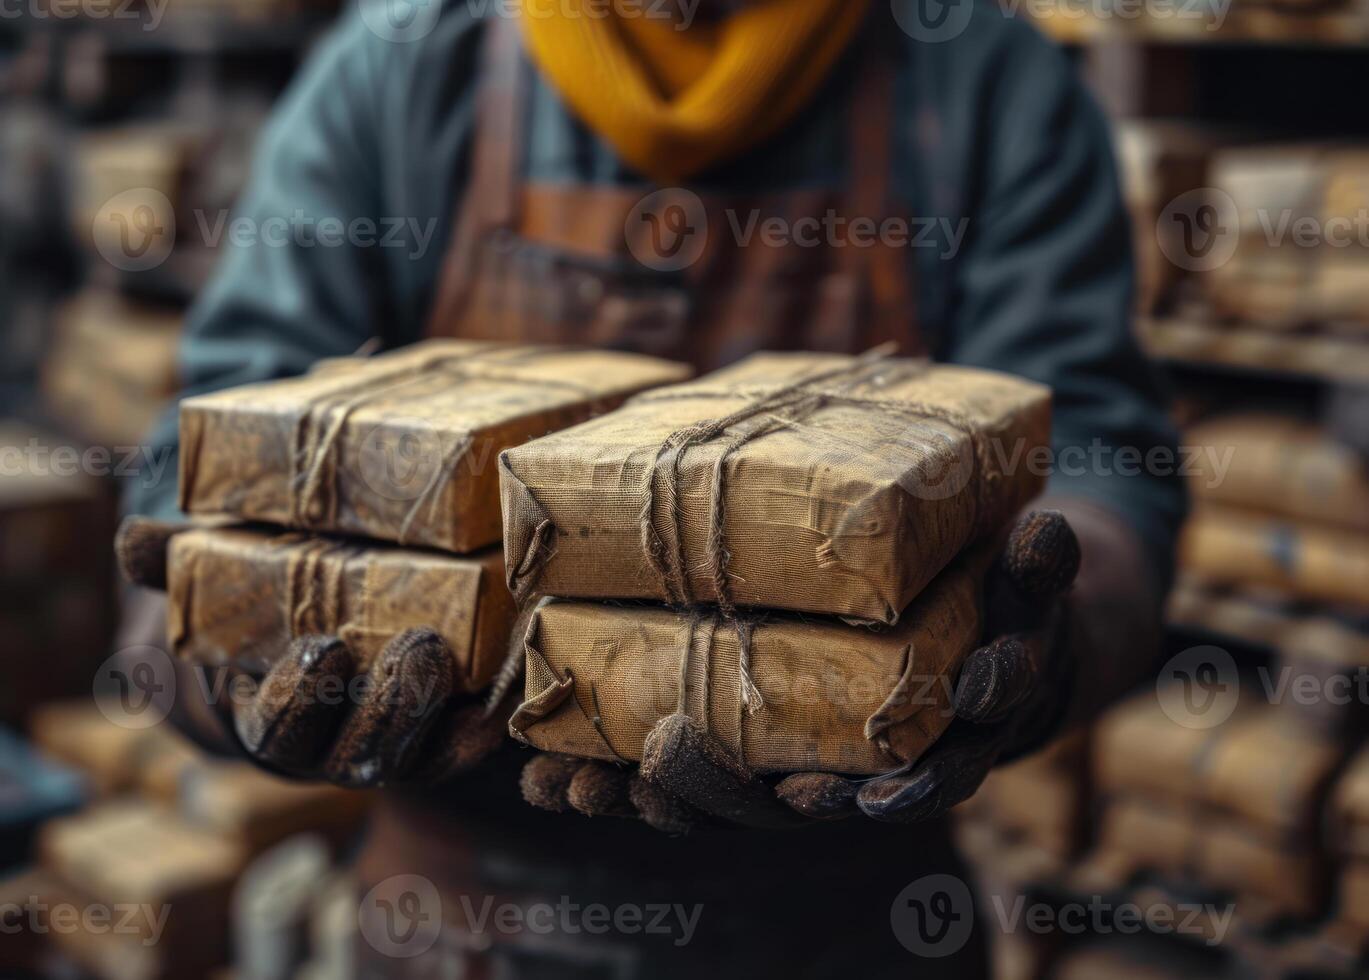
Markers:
<point>1260,767</point>
<point>809,482</point>
<point>785,693</point>
<point>1182,844</point>
<point>398,447</point>
<point>240,595</point>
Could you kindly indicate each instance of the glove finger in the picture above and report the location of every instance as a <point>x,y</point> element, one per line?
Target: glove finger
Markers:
<point>545,780</point>
<point>1041,558</point>
<point>819,795</point>
<point>299,705</point>
<point>598,789</point>
<point>947,775</point>
<point>140,545</point>
<point>561,783</point>
<point>681,758</point>
<point>409,685</point>
<point>464,736</point>
<point>994,679</point>
<point>659,809</point>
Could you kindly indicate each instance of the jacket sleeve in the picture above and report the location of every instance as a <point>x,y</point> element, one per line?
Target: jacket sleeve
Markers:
<point>288,287</point>
<point>1044,287</point>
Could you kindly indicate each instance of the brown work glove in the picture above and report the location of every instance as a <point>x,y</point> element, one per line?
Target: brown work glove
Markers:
<point>316,715</point>
<point>1009,697</point>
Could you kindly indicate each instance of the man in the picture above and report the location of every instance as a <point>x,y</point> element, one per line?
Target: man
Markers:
<point>783,174</point>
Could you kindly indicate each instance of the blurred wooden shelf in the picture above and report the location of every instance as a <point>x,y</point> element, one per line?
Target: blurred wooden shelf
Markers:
<point>189,33</point>
<point>1266,26</point>
<point>1200,343</point>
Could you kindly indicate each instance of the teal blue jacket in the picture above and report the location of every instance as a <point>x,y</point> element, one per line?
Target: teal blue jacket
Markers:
<point>997,136</point>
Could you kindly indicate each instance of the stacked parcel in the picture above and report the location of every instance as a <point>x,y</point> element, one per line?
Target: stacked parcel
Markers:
<point>1236,806</point>
<point>847,490</point>
<point>377,474</point>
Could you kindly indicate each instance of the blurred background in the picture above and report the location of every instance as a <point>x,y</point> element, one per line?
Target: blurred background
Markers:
<point>1243,140</point>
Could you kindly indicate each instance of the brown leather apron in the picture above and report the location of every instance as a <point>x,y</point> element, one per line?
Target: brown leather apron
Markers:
<point>672,272</point>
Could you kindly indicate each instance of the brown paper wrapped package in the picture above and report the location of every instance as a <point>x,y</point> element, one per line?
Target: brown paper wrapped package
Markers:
<point>827,696</point>
<point>1260,766</point>
<point>1142,751</point>
<point>399,447</point>
<point>1323,564</point>
<point>135,853</point>
<point>1280,465</point>
<point>1184,843</point>
<point>810,482</point>
<point>241,595</point>
<point>1349,829</point>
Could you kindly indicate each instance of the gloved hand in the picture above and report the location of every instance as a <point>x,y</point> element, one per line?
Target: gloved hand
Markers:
<point>1009,697</point>
<point>315,715</point>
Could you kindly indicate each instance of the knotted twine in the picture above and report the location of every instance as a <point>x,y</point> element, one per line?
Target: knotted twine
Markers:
<point>696,619</point>
<point>785,407</point>
<point>314,463</point>
<point>315,577</point>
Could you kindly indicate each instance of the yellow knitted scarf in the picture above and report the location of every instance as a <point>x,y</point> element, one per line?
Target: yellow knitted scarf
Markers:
<point>674,100</point>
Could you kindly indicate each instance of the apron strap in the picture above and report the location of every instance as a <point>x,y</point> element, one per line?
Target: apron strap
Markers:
<point>490,198</point>
<point>887,268</point>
